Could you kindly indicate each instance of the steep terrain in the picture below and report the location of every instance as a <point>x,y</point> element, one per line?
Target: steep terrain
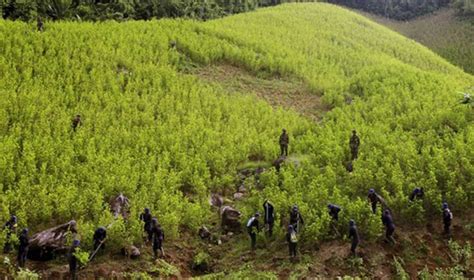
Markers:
<point>172,109</point>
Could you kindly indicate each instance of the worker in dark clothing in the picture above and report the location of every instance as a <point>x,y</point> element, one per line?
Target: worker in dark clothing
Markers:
<point>269,217</point>
<point>73,262</point>
<point>146,218</point>
<point>76,122</point>
<point>447,219</point>
<point>295,218</point>
<point>23,247</point>
<point>354,143</point>
<point>292,239</point>
<point>100,235</point>
<point>252,228</point>
<point>417,193</point>
<point>387,221</point>
<point>354,234</point>
<point>284,142</point>
<point>10,227</point>
<point>334,211</point>
<point>278,163</point>
<point>39,24</point>
<point>158,236</point>
<point>374,199</point>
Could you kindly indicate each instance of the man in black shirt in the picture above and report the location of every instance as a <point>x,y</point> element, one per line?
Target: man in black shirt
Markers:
<point>447,218</point>
<point>387,220</point>
<point>284,142</point>
<point>146,218</point>
<point>418,193</point>
<point>99,238</point>
<point>23,247</point>
<point>374,199</point>
<point>354,234</point>
<point>252,227</point>
<point>354,143</point>
<point>295,218</point>
<point>158,236</point>
<point>73,262</point>
<point>10,227</point>
<point>269,216</point>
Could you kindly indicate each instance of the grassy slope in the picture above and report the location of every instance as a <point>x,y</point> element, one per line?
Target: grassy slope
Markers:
<point>337,53</point>
<point>442,31</point>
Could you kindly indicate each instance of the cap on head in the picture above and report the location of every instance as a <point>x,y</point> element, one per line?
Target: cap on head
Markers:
<point>102,228</point>
<point>24,231</point>
<point>13,218</point>
<point>386,211</point>
<point>353,131</point>
<point>352,222</point>
<point>445,205</point>
<point>257,214</point>
<point>371,191</point>
<point>154,220</point>
<point>290,227</point>
<point>147,210</point>
<point>330,205</point>
<point>284,130</point>
<point>76,243</point>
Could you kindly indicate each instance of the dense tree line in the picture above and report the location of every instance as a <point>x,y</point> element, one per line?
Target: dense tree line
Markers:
<point>464,7</point>
<point>128,9</point>
<point>396,9</point>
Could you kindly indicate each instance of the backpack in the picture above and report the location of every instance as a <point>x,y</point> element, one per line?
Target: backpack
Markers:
<point>250,221</point>
<point>249,225</point>
<point>449,214</point>
<point>293,237</point>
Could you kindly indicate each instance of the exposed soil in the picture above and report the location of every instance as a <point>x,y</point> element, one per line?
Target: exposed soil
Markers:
<point>416,246</point>
<point>277,91</point>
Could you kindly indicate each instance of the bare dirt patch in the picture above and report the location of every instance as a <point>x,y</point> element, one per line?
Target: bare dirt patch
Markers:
<point>277,91</point>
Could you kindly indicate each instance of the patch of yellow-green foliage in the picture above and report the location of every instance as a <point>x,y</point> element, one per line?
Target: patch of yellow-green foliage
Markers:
<point>166,139</point>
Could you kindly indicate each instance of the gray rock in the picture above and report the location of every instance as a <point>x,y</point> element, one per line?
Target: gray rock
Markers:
<point>230,219</point>
<point>216,200</point>
<point>238,196</point>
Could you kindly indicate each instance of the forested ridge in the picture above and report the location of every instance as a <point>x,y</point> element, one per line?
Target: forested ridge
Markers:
<point>128,9</point>
<point>148,9</point>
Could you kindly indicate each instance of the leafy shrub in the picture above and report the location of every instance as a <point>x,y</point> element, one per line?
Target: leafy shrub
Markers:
<point>401,274</point>
<point>460,255</point>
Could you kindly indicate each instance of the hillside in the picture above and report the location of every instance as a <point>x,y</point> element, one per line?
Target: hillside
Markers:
<point>442,31</point>
<point>163,124</point>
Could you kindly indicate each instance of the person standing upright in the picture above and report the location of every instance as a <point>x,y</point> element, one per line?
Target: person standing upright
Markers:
<point>284,142</point>
<point>354,144</point>
<point>269,218</point>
